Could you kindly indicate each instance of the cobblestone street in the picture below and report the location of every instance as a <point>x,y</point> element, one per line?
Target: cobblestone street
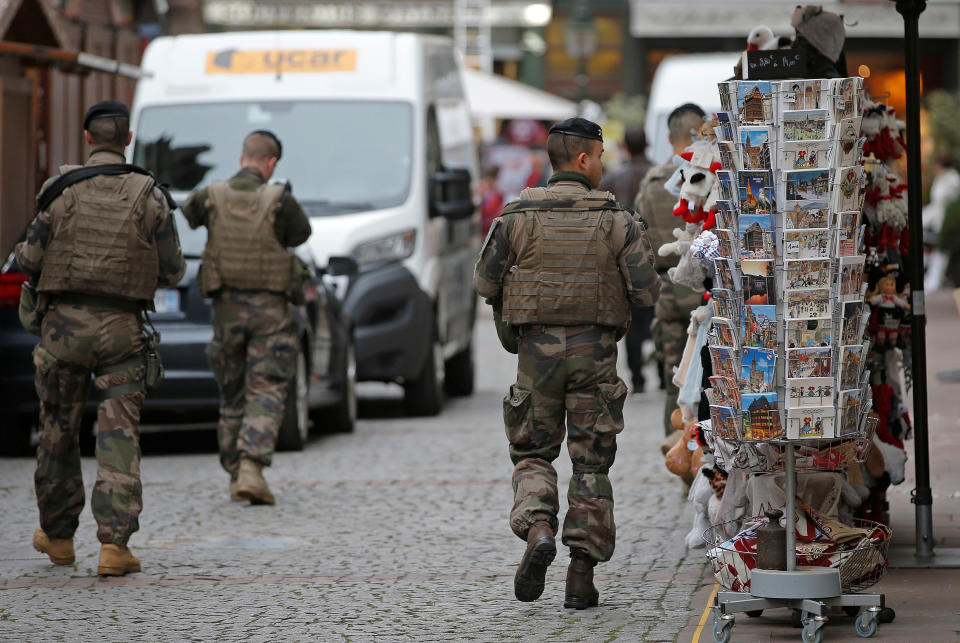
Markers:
<point>396,532</point>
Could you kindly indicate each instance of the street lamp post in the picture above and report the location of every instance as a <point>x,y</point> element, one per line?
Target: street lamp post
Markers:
<point>922,496</point>
<point>581,42</point>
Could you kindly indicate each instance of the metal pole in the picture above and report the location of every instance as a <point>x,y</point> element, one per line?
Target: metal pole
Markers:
<point>790,490</point>
<point>922,495</point>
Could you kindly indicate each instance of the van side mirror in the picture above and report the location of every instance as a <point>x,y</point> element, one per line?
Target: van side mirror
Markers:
<point>450,194</point>
<point>341,266</point>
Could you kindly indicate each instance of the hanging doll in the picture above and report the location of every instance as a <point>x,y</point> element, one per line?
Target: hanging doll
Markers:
<point>888,310</point>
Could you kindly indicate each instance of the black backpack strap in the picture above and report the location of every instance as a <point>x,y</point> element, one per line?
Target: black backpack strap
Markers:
<point>64,181</point>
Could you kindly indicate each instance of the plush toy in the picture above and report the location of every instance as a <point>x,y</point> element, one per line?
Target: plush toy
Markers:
<point>685,458</point>
<point>820,34</point>
<point>883,132</point>
<point>762,38</point>
<point>888,309</point>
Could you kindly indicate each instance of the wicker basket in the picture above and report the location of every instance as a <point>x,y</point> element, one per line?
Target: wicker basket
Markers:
<point>860,567</point>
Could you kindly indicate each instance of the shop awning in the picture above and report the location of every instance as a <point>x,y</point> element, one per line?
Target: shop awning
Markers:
<point>493,96</point>
<point>71,61</point>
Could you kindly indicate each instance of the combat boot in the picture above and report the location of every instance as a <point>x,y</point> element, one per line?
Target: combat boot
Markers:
<point>541,549</point>
<point>251,484</point>
<point>234,496</point>
<point>116,560</point>
<point>580,593</point>
<point>60,550</point>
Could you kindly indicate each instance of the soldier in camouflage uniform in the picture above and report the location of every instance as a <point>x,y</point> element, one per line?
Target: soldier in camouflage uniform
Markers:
<point>655,205</point>
<point>247,271</point>
<point>96,255</point>
<point>564,264</point>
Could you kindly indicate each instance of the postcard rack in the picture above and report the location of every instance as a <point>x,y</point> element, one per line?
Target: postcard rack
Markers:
<point>789,391</point>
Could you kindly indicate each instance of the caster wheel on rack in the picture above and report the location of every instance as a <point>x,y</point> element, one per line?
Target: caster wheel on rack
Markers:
<point>796,619</point>
<point>811,635</point>
<point>887,615</point>
<point>851,610</point>
<point>865,630</point>
<point>754,613</point>
<point>722,630</point>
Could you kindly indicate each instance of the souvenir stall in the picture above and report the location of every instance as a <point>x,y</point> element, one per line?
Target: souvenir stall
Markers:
<point>772,194</point>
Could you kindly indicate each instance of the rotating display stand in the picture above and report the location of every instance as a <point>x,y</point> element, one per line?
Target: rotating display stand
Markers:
<point>789,391</point>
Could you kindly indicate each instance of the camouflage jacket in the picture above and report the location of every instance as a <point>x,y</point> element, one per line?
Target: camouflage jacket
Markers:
<point>655,206</point>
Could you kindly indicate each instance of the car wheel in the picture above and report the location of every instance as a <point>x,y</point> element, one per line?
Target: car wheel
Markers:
<point>458,380</point>
<point>16,438</point>
<point>342,417</point>
<point>295,427</point>
<point>424,394</point>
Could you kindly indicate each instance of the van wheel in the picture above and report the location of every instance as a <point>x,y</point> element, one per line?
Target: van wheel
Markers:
<point>424,395</point>
<point>342,417</point>
<point>458,380</point>
<point>295,427</point>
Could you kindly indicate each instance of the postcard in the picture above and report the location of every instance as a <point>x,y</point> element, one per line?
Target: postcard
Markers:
<point>806,155</point>
<point>761,417</point>
<point>725,391</point>
<point>726,90</point>
<point>845,93</point>
<point>726,121</point>
<point>726,303</point>
<point>848,194</point>
<point>723,332</point>
<point>848,222</point>
<point>725,240</point>
<point>725,179</point>
<point>807,184</point>
<point>723,360</point>
<point>807,303</point>
<point>810,423</point>
<point>805,392</point>
<point>849,147</point>
<point>757,282</point>
<point>851,365</point>
<point>755,101</point>
<point>756,237</point>
<point>807,273</point>
<point>804,124</point>
<point>806,244</point>
<point>759,326</point>
<point>852,317</point>
<point>728,156</point>
<point>725,214</point>
<point>756,369</point>
<point>851,277</point>
<point>809,362</point>
<point>849,415</point>
<point>799,215</point>
<point>755,148</point>
<point>725,422</point>
<point>756,191</point>
<point>807,333</point>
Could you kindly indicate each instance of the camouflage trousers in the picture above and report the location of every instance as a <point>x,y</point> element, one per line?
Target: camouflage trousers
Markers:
<point>671,320</point>
<point>566,373</point>
<point>75,342</point>
<point>253,355</point>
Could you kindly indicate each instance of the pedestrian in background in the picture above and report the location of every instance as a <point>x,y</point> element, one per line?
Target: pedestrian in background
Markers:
<point>247,271</point>
<point>563,265</point>
<point>96,255</point>
<point>625,183</point>
<point>491,199</point>
<point>655,206</point>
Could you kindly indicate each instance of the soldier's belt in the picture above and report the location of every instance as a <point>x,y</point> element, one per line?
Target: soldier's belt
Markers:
<point>101,302</point>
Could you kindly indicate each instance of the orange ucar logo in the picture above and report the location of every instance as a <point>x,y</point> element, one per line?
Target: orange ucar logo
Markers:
<point>271,61</point>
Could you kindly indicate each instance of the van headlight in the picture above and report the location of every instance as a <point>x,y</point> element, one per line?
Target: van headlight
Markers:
<point>396,247</point>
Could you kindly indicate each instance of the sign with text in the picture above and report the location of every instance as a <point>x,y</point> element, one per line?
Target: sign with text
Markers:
<point>275,61</point>
<point>778,63</point>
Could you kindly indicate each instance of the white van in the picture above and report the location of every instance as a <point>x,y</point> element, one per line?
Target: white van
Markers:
<point>378,147</point>
<point>683,79</point>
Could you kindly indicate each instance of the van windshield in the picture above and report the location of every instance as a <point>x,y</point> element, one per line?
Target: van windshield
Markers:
<point>339,156</point>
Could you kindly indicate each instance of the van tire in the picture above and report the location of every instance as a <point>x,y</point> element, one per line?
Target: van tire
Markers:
<point>459,373</point>
<point>342,417</point>
<point>424,394</point>
<point>295,426</point>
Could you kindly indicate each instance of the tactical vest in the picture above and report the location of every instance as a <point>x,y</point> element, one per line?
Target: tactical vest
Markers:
<point>242,250</point>
<point>101,243</point>
<point>566,271</point>
<point>658,214</point>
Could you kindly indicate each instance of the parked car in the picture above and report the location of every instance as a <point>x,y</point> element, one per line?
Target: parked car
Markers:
<point>322,391</point>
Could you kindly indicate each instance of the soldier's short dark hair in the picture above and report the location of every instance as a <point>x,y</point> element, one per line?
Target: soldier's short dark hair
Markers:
<point>635,140</point>
<point>261,146</point>
<point>564,148</point>
<point>681,120</point>
<point>112,130</point>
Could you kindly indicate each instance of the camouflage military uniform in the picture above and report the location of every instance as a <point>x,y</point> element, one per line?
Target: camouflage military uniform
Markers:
<point>81,335</point>
<point>567,372</point>
<point>672,311</point>
<point>254,347</point>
